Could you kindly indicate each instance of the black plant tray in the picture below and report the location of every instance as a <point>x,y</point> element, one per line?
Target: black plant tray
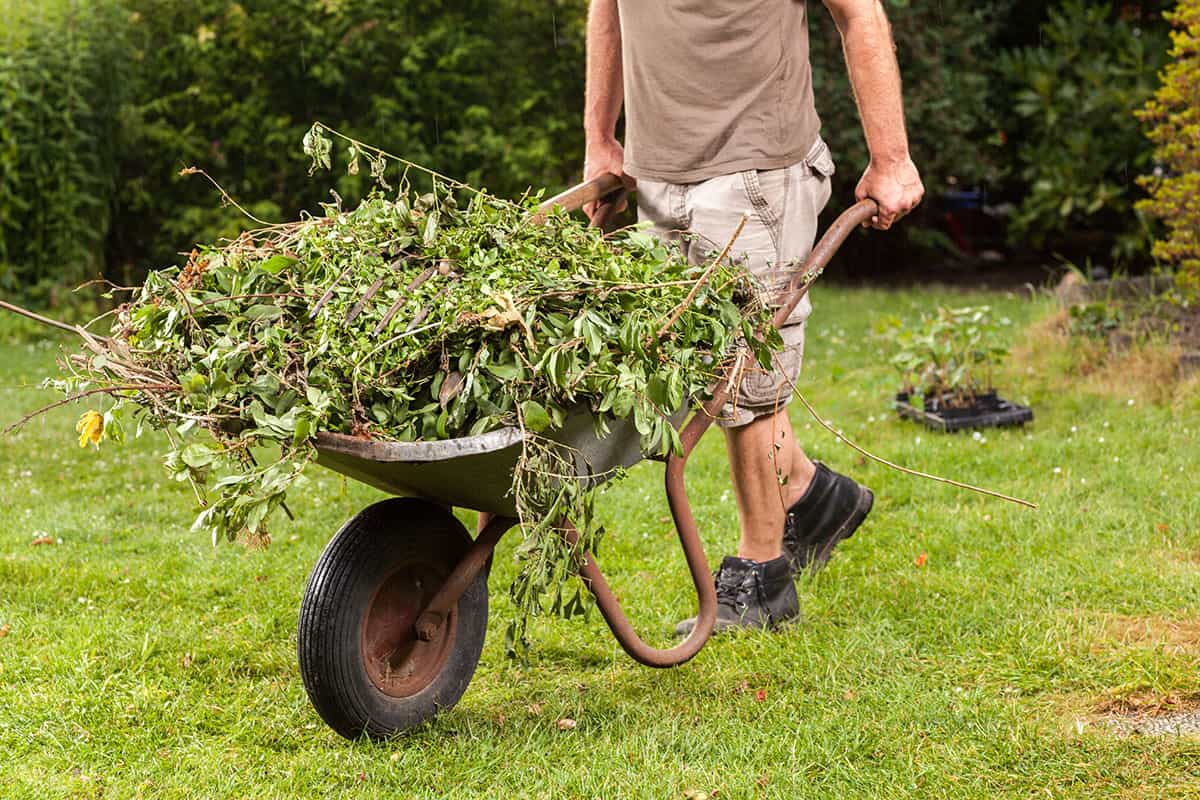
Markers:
<point>988,411</point>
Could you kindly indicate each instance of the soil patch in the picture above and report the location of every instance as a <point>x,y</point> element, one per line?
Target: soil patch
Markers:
<point>1151,715</point>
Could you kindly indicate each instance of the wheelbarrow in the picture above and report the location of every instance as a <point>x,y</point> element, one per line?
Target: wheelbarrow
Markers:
<point>394,614</point>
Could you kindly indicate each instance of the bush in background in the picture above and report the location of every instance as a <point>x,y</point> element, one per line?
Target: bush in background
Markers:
<point>489,92</point>
<point>1075,145</point>
<point>944,50</point>
<point>1174,116</point>
<point>62,74</point>
<point>486,91</point>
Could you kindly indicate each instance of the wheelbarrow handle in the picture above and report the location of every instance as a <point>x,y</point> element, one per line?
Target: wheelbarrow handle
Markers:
<point>858,214</point>
<point>677,497</point>
<point>600,187</point>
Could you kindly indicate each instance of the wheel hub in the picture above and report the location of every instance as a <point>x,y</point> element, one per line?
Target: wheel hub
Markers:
<point>398,662</point>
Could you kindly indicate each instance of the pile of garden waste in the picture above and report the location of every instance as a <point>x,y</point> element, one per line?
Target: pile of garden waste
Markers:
<point>411,317</point>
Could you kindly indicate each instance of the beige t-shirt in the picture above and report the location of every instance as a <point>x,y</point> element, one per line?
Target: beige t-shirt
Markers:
<point>714,87</point>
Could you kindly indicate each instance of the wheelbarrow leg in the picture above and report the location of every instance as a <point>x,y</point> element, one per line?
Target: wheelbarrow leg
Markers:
<point>693,550</point>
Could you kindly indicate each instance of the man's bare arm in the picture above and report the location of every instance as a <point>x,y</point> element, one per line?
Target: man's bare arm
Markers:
<point>605,93</point>
<point>891,179</point>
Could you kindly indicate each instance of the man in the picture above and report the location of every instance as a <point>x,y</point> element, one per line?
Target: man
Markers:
<point>720,124</point>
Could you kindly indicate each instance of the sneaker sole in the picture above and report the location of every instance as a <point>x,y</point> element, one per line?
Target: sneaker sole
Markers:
<point>866,500</point>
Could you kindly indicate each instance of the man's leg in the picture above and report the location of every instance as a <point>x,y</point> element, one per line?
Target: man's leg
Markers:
<point>770,473</point>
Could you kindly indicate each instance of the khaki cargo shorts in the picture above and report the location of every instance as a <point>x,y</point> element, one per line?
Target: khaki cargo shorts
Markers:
<point>782,207</point>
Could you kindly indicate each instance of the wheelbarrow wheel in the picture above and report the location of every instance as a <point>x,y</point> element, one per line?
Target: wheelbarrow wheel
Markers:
<point>363,666</point>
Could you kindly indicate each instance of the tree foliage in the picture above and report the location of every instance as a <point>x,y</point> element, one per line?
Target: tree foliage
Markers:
<point>61,81</point>
<point>1174,117</point>
<point>1076,145</point>
<point>104,101</point>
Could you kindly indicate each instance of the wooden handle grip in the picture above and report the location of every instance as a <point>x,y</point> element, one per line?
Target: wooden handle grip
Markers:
<point>577,197</point>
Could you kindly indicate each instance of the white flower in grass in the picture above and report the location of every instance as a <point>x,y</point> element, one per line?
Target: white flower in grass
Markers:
<point>1057,470</point>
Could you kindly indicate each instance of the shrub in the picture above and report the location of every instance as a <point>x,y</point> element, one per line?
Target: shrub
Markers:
<point>1075,144</point>
<point>60,83</point>
<point>1174,117</point>
<point>944,50</point>
<point>488,92</point>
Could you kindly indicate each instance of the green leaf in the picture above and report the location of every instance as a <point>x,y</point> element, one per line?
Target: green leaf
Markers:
<point>263,312</point>
<point>276,264</point>
<point>535,416</point>
<point>197,456</point>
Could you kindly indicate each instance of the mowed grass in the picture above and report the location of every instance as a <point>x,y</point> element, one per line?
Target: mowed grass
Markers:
<point>140,661</point>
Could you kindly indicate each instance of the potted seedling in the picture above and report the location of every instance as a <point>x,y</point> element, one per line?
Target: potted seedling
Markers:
<point>946,365</point>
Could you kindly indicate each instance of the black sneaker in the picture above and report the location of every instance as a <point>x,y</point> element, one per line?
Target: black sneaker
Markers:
<point>751,594</point>
<point>831,510</point>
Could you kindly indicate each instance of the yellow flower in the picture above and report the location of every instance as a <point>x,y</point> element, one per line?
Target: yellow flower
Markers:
<point>90,427</point>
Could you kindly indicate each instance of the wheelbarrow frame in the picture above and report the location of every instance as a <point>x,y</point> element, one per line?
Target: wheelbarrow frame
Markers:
<point>386,465</point>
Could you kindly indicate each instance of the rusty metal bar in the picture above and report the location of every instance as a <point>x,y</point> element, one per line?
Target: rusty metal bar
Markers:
<point>677,499</point>
<point>476,558</point>
<point>818,259</point>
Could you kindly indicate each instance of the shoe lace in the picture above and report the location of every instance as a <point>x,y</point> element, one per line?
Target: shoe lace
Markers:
<point>729,588</point>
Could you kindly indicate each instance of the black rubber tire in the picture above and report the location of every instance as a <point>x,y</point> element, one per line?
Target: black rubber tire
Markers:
<point>368,550</point>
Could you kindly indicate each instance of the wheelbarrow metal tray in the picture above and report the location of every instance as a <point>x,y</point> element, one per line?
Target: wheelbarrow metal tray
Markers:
<point>474,471</point>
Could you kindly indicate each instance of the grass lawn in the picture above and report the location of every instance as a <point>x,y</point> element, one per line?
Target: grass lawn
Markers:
<point>139,661</point>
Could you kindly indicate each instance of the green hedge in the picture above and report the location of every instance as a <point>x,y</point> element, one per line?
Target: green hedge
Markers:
<point>62,72</point>
<point>104,101</point>
<point>1074,141</point>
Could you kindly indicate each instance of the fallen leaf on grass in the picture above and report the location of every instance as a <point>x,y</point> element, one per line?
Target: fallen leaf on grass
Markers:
<point>1162,527</point>
<point>41,540</point>
<point>4,629</point>
<point>566,724</point>
<point>760,695</point>
<point>920,560</point>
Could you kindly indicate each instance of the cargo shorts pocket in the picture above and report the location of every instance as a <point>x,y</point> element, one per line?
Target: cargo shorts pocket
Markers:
<point>767,191</point>
<point>820,160</point>
<point>758,392</point>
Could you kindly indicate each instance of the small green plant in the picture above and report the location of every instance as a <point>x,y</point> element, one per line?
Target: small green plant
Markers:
<point>948,358</point>
<point>1095,320</point>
